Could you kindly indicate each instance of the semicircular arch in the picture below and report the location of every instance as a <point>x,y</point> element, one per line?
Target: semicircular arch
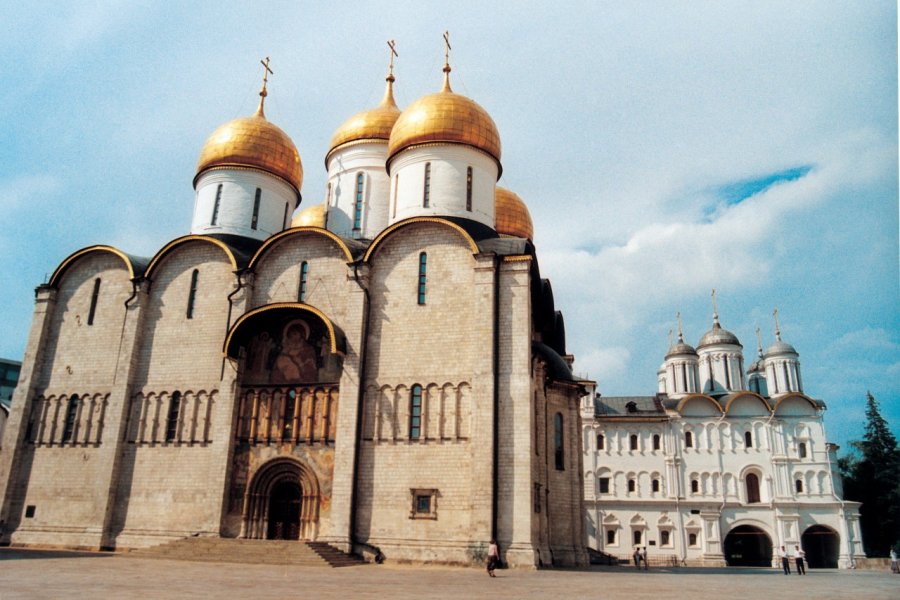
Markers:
<point>76,256</point>
<point>295,231</point>
<point>168,248</point>
<point>384,235</point>
<point>245,326</point>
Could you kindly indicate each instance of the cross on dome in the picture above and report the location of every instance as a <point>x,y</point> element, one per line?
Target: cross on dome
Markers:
<point>263,93</point>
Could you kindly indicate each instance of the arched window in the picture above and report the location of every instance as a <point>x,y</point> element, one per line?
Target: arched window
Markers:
<point>695,486</point>
<point>172,417</point>
<point>304,277</point>
<point>632,485</point>
<point>656,442</point>
<point>558,442</point>
<point>415,412</point>
<point>752,488</point>
<point>748,439</point>
<point>636,536</point>
<point>255,220</point>
<point>469,189</point>
<point>95,295</point>
<point>192,295</point>
<point>801,449</point>
<point>664,537</point>
<point>423,259</point>
<point>655,485</point>
<point>71,415</point>
<point>633,442</point>
<point>426,188</point>
<point>692,539</point>
<point>798,486</point>
<point>215,215</point>
<point>688,439</point>
<point>601,441</point>
<point>358,203</point>
<point>611,537</point>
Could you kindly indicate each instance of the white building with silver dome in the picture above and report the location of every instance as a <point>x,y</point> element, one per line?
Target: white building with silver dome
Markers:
<point>717,468</point>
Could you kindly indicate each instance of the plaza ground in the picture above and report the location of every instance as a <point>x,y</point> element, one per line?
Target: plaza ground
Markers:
<point>72,575</point>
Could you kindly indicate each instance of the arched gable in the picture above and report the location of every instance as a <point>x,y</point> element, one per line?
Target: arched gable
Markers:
<point>699,405</point>
<point>245,326</point>
<point>70,260</point>
<point>795,404</point>
<point>746,404</point>
<point>384,235</point>
<point>168,248</point>
<point>296,231</point>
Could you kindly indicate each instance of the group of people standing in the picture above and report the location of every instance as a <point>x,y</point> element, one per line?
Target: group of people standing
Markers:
<point>799,560</point>
<point>640,556</point>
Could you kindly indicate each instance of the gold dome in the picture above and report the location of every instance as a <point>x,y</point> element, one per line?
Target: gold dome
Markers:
<point>445,117</point>
<point>511,215</point>
<point>375,124</point>
<point>252,142</point>
<point>312,216</point>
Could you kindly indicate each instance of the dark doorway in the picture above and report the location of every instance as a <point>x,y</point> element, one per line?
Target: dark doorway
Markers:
<point>284,511</point>
<point>821,546</point>
<point>748,546</point>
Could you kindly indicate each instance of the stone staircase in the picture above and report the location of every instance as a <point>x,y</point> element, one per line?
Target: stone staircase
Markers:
<point>268,552</point>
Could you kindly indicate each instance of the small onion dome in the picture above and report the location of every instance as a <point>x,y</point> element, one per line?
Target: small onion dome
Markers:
<point>718,335</point>
<point>312,216</point>
<point>375,124</point>
<point>445,117</point>
<point>512,216</point>
<point>780,347</point>
<point>680,348</point>
<point>256,143</point>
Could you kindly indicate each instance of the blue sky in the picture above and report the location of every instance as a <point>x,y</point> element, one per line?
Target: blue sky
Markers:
<point>663,148</point>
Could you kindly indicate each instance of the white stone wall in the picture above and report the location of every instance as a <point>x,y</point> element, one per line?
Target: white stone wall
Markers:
<point>344,166</point>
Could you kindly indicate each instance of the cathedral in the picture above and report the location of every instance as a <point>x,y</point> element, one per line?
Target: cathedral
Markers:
<point>719,467</point>
<point>384,372</point>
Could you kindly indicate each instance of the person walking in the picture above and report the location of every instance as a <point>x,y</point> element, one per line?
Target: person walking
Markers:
<point>895,564</point>
<point>785,561</point>
<point>800,559</point>
<point>493,557</point>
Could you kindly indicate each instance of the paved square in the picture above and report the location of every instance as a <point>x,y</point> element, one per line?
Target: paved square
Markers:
<point>43,574</point>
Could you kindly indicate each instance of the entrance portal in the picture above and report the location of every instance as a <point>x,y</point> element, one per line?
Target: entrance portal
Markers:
<point>284,511</point>
<point>748,546</point>
<point>821,546</point>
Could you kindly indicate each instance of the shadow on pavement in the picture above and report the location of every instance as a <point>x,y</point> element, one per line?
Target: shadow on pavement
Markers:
<point>30,554</point>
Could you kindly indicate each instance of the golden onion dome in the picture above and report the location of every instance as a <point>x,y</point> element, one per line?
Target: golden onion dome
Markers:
<point>511,215</point>
<point>253,142</point>
<point>312,216</point>
<point>445,117</point>
<point>375,124</point>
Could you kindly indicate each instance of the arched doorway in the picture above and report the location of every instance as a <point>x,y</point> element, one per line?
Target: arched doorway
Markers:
<point>282,502</point>
<point>284,511</point>
<point>748,546</point>
<point>821,545</point>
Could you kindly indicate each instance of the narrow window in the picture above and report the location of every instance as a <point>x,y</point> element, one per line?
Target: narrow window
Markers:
<point>664,537</point>
<point>290,403</point>
<point>426,192</point>
<point>752,488</point>
<point>727,373</point>
<point>787,379</point>
<point>71,415</point>
<point>601,441</point>
<point>798,485</point>
<point>656,442</point>
<point>215,215</point>
<point>396,190</point>
<point>415,412</point>
<point>357,205</point>
<point>655,485</point>
<point>611,537</point>
<point>637,537</point>
<point>692,539</point>
<point>695,486</point>
<point>192,296</point>
<point>748,439</point>
<point>633,442</point>
<point>688,439</point>
<point>604,485</point>
<point>469,189</point>
<point>801,449</point>
<point>558,442</point>
<point>94,296</point>
<point>304,277</point>
<point>632,485</point>
<point>172,417</point>
<point>255,220</point>
<point>684,385</point>
<point>328,194</point>
<point>284,221</point>
<point>422,272</point>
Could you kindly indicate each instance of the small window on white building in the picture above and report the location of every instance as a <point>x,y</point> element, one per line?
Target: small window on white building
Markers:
<point>656,442</point>
<point>601,442</point>
<point>665,538</point>
<point>632,485</point>
<point>801,449</point>
<point>633,442</point>
<point>748,439</point>
<point>692,540</point>
<point>655,485</point>
<point>610,537</point>
<point>688,439</point>
<point>798,486</point>
<point>637,537</point>
<point>603,485</point>
<point>695,486</point>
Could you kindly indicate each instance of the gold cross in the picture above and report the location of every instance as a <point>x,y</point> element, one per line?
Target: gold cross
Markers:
<point>447,48</point>
<point>266,72</point>
<point>393,54</point>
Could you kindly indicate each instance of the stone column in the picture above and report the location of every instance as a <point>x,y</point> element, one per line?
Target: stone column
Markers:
<point>713,534</point>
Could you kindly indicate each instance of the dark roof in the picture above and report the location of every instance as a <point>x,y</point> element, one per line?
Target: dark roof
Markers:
<point>618,406</point>
<point>556,365</point>
<point>242,247</point>
<point>478,231</point>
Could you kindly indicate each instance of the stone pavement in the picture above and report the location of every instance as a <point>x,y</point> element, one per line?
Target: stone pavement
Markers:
<point>71,575</point>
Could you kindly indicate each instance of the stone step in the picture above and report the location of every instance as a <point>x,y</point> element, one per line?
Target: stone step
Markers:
<point>272,552</point>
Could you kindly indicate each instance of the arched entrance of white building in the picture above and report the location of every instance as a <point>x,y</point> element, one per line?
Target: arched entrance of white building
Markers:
<point>748,546</point>
<point>821,545</point>
<point>282,502</point>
